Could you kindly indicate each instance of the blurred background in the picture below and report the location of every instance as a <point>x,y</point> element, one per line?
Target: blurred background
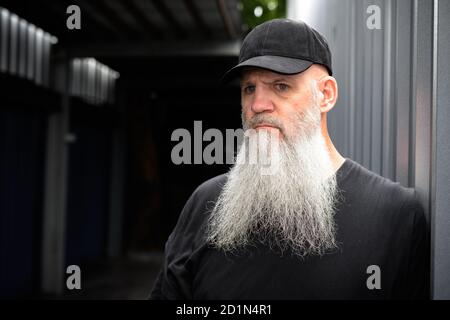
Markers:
<point>86,118</point>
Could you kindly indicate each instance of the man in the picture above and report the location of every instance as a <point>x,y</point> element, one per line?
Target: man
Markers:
<point>318,226</point>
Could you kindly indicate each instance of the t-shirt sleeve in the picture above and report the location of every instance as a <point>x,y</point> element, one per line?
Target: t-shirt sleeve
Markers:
<point>174,281</point>
<point>417,276</point>
<point>156,293</point>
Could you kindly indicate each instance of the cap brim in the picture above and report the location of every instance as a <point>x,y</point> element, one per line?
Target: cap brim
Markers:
<point>277,64</point>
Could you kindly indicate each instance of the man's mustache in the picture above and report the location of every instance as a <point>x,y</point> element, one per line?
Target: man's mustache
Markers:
<point>260,119</point>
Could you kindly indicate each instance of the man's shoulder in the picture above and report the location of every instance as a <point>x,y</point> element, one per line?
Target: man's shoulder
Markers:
<point>198,207</point>
<point>380,189</point>
<point>205,195</point>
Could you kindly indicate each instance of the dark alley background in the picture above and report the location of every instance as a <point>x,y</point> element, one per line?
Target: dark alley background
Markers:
<point>86,176</point>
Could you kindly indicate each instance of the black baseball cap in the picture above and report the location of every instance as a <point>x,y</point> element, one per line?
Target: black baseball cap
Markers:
<point>283,46</point>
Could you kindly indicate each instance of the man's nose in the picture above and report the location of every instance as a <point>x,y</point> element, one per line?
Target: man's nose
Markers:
<point>261,101</point>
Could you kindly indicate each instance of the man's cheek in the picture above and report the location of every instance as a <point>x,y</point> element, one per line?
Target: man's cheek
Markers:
<point>246,114</point>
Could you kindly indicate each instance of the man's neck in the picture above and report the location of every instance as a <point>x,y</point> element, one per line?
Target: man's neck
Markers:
<point>337,160</point>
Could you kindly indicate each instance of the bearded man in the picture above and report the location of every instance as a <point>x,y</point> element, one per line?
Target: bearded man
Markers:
<point>312,225</point>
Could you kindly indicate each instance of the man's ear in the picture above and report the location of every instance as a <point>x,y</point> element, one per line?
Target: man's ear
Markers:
<point>329,89</point>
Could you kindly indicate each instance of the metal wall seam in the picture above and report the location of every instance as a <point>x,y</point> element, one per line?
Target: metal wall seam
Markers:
<point>4,19</point>
<point>352,82</point>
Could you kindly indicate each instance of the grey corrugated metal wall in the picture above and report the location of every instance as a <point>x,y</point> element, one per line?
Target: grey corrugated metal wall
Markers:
<point>393,108</point>
<point>441,151</point>
<point>25,50</point>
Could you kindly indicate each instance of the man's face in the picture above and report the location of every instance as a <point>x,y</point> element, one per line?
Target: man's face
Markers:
<point>292,206</point>
<point>274,99</point>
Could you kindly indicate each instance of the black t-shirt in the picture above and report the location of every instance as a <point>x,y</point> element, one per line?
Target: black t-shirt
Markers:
<point>380,224</point>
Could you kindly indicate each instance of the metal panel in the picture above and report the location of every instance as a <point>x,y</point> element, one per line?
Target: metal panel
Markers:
<point>423,97</point>
<point>31,52</point>
<point>403,89</point>
<point>352,82</point>
<point>84,77</point>
<point>339,34</point>
<point>4,24</point>
<point>359,75</point>
<point>366,106</point>
<point>46,50</point>
<point>376,96</point>
<point>441,170</point>
<point>39,56</point>
<point>103,77</point>
<point>13,44</point>
<point>75,83</point>
<point>91,79</point>
<point>111,89</point>
<point>22,63</point>
<point>388,136</point>
<point>24,49</point>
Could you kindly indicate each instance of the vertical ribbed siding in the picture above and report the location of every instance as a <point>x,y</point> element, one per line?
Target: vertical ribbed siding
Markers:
<point>25,50</point>
<point>92,81</point>
<point>441,152</point>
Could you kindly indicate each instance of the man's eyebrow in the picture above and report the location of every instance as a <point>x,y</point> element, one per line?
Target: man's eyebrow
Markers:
<point>245,81</point>
<point>278,79</point>
<point>282,78</point>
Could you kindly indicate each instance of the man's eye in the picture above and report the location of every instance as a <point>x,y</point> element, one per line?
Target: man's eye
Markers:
<point>281,87</point>
<point>249,89</point>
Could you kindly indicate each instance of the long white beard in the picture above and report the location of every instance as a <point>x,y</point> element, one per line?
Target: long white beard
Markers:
<point>291,209</point>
